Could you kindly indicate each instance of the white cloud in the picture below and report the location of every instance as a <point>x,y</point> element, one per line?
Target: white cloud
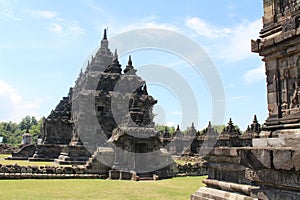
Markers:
<point>226,43</point>
<point>237,46</point>
<point>74,27</point>
<point>13,106</point>
<point>58,25</point>
<point>176,113</point>
<point>146,22</point>
<point>7,10</point>
<point>47,14</point>
<point>237,98</point>
<point>204,29</point>
<point>56,28</point>
<point>255,75</point>
<point>170,124</point>
<point>65,28</point>
<point>152,24</point>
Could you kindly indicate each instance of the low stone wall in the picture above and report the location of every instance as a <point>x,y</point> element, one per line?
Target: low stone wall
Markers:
<point>32,172</point>
<point>189,169</point>
<point>49,176</point>
<point>7,149</point>
<point>61,172</point>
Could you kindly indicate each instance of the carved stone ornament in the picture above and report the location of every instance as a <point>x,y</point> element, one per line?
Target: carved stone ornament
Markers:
<point>289,24</point>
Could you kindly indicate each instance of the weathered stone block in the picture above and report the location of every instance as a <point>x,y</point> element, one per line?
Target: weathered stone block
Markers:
<point>256,158</point>
<point>23,170</point>
<point>289,133</point>
<point>3,169</point>
<point>205,193</point>
<point>29,170</point>
<point>265,134</point>
<point>282,159</point>
<point>292,142</point>
<point>225,151</point>
<point>225,159</point>
<point>276,142</point>
<point>296,159</point>
<point>68,170</point>
<point>260,142</point>
<point>263,156</point>
<point>125,175</point>
<point>114,174</point>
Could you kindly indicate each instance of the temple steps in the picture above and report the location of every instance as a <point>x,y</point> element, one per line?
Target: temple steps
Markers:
<point>206,193</point>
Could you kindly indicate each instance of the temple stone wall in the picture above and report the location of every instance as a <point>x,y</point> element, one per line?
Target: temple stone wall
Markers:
<point>57,132</point>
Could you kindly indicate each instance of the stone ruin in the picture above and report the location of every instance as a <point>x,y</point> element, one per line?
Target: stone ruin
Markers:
<point>270,169</point>
<point>191,143</point>
<point>105,122</point>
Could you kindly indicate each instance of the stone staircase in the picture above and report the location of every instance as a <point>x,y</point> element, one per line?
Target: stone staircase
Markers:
<point>148,176</point>
<point>100,161</point>
<point>206,193</point>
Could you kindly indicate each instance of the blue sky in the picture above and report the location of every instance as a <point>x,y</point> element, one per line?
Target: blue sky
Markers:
<point>43,45</point>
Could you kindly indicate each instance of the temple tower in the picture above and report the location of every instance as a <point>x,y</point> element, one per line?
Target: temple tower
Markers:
<point>279,44</point>
<point>270,169</point>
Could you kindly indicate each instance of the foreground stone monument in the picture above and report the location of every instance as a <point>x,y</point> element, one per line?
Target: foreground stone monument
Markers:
<point>271,168</point>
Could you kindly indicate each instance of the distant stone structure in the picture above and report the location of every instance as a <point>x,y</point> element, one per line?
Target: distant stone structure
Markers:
<point>191,142</point>
<point>253,130</point>
<point>26,138</point>
<point>271,168</point>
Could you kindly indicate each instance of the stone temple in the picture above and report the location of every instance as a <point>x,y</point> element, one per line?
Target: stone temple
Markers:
<point>105,122</point>
<point>270,169</point>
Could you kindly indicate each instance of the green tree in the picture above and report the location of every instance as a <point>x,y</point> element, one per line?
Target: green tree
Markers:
<point>219,128</point>
<point>27,122</point>
<point>161,128</point>
<point>12,132</point>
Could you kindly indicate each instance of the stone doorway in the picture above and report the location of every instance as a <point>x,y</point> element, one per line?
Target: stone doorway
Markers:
<point>140,161</point>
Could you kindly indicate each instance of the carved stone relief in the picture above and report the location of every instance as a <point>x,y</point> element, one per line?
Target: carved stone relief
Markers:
<point>288,86</point>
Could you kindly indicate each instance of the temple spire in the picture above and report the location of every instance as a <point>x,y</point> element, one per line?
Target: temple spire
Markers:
<point>104,43</point>
<point>255,119</point>
<point>209,124</point>
<point>104,35</point>
<point>115,66</point>
<point>129,68</point>
<point>129,61</point>
<point>115,59</point>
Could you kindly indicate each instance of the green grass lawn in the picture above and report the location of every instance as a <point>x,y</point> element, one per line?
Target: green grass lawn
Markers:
<point>182,162</point>
<point>175,188</point>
